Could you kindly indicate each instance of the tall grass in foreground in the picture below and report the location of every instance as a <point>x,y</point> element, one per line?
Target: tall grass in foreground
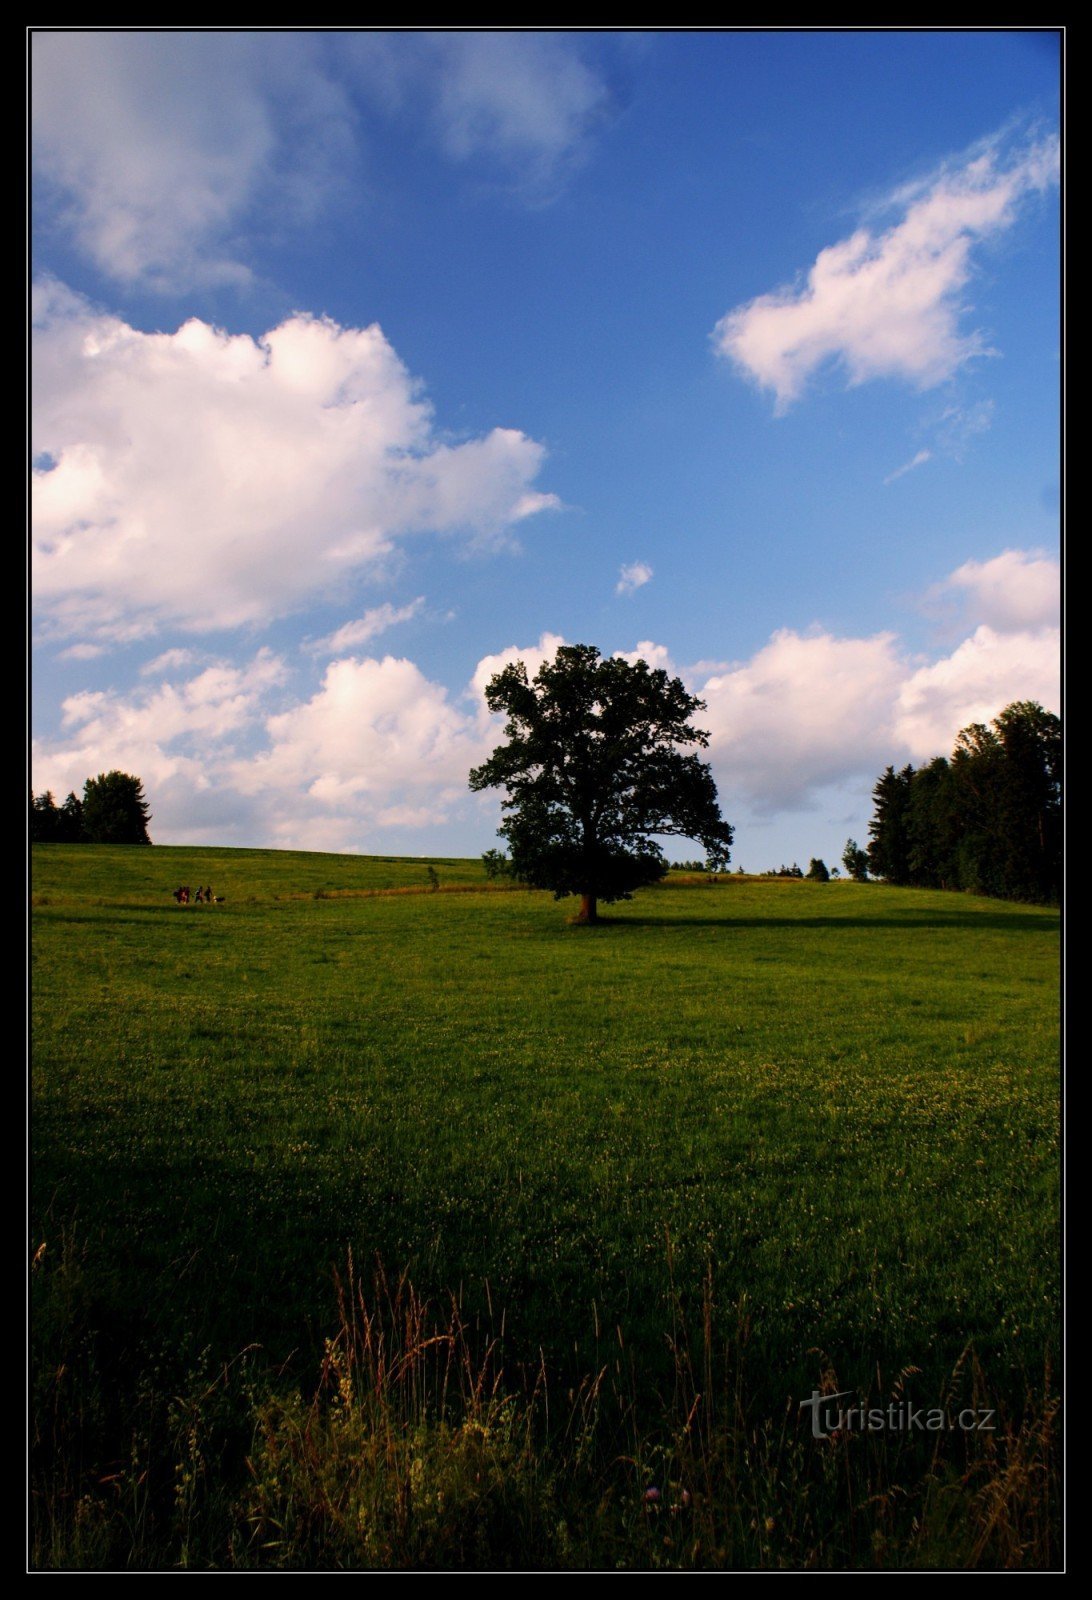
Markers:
<point>417,1448</point>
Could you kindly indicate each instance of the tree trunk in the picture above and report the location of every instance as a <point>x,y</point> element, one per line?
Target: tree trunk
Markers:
<point>587,912</point>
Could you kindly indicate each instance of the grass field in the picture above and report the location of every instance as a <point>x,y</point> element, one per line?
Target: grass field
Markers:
<point>755,1138</point>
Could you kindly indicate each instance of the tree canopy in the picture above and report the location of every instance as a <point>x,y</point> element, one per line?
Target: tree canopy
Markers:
<point>53,824</point>
<point>855,861</point>
<point>988,820</point>
<point>113,811</point>
<point>594,768</point>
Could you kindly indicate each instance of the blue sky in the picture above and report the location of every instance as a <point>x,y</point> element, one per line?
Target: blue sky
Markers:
<point>366,362</point>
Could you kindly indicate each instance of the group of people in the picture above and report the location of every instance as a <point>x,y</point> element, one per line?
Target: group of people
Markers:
<point>199,897</point>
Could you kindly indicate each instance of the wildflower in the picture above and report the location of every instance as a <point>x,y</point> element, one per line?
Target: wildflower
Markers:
<point>652,1495</point>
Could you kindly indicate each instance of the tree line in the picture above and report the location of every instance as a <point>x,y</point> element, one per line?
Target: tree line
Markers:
<point>988,820</point>
<point>113,810</point>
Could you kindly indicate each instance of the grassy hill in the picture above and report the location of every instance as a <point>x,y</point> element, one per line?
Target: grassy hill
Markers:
<point>804,1134</point>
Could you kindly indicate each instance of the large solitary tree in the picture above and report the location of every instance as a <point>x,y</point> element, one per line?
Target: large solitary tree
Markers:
<point>595,767</point>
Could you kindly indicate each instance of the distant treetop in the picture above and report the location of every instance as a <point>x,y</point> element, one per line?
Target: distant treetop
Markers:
<point>113,811</point>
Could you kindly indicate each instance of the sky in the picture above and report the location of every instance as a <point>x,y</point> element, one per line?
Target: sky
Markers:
<point>364,363</point>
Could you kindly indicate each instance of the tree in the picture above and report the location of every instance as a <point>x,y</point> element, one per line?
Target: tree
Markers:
<point>44,818</point>
<point>855,860</point>
<point>889,844</point>
<point>1030,801</point>
<point>70,829</point>
<point>496,864</point>
<point>1007,780</point>
<point>817,870</point>
<point>988,821</point>
<point>114,810</point>
<point>593,771</point>
<point>933,828</point>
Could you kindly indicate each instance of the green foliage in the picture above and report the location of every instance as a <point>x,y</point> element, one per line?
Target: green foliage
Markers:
<point>817,870</point>
<point>70,823</point>
<point>53,824</point>
<point>855,861</point>
<point>593,770</point>
<point>496,864</point>
<point>988,821</point>
<point>889,835</point>
<point>43,818</point>
<point>114,809</point>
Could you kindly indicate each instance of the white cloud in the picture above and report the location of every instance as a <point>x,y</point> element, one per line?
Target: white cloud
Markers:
<point>229,754</point>
<point>633,577</point>
<point>804,712</point>
<point>809,711</point>
<point>1015,591</point>
<point>908,466</point>
<point>175,735</point>
<point>81,652</point>
<point>379,744</point>
<point>654,655</point>
<point>169,661</point>
<point>161,147</point>
<point>984,674</point>
<point>162,154</point>
<point>525,96</point>
<point>211,481</point>
<point>232,753</point>
<point>532,658</point>
<point>374,622</point>
<point>888,304</point>
<point>524,102</point>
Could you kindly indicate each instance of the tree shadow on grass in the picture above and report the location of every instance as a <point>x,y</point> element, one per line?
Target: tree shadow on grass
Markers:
<point>1013,922</point>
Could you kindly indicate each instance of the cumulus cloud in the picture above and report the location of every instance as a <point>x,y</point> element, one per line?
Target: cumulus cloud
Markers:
<point>377,736</point>
<point>654,655</point>
<point>805,710</point>
<point>377,745</point>
<point>235,752</point>
<point>532,658</point>
<point>984,674</point>
<point>633,577</point>
<point>210,480</point>
<point>176,734</point>
<point>810,711</point>
<point>889,304</point>
<point>1014,592</point>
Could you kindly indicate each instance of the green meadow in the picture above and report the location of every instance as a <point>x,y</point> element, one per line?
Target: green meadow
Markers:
<point>652,1182</point>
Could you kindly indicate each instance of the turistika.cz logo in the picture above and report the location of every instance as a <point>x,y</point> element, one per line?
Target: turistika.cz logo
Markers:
<point>898,1416</point>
